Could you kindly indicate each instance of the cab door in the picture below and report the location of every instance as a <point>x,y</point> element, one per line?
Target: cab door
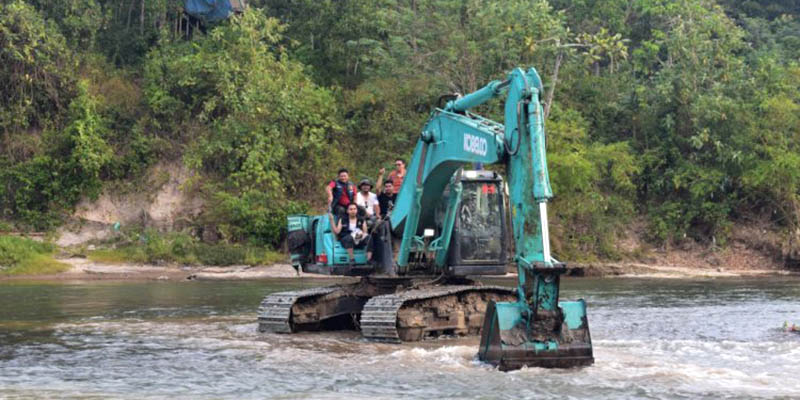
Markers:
<point>479,240</point>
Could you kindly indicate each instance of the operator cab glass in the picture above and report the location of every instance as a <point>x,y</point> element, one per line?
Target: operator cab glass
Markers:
<point>480,224</point>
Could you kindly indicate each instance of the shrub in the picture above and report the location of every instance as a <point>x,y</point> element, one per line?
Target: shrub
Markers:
<point>153,247</point>
<point>38,190</point>
<point>254,217</point>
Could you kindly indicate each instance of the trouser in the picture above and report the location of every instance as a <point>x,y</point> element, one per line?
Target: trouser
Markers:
<point>348,242</point>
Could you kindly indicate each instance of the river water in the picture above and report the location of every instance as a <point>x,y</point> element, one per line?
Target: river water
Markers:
<point>653,339</point>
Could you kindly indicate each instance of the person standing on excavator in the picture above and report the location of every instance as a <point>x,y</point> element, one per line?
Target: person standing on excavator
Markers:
<point>341,193</point>
<point>396,176</point>
<point>387,198</point>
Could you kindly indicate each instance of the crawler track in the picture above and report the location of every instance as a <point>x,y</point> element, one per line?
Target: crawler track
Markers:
<point>411,315</point>
<point>275,311</point>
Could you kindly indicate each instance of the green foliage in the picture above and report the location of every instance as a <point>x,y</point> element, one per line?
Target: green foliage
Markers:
<point>250,216</point>
<point>36,68</point>
<point>14,250</point>
<point>36,190</point>
<point>22,256</point>
<point>463,45</point>
<point>80,20</point>
<point>594,189</point>
<point>153,247</point>
<point>6,227</point>
<point>697,116</point>
<point>684,111</point>
<point>255,120</point>
<point>384,116</point>
<point>84,140</point>
<point>342,41</point>
<point>772,177</point>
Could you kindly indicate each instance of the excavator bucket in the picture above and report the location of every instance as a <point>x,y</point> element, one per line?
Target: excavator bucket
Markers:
<point>513,338</point>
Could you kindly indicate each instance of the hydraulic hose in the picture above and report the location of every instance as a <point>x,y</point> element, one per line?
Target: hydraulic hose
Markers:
<point>520,126</point>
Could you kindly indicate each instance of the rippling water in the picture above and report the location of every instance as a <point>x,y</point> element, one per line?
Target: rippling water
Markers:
<point>654,339</point>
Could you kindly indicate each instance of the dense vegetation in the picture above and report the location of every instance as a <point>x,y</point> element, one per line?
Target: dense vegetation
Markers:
<point>153,247</point>
<point>681,113</point>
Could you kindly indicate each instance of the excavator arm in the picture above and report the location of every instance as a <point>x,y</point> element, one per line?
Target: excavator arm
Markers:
<point>537,330</point>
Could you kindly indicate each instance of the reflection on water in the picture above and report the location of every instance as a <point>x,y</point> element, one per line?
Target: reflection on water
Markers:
<point>659,339</point>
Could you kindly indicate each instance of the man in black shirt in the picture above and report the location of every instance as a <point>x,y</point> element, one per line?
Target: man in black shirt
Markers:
<point>387,195</point>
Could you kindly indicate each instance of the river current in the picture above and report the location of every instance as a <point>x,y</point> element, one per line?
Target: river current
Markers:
<point>653,339</point>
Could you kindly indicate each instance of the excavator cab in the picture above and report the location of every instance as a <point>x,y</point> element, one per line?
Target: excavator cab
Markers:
<point>478,244</point>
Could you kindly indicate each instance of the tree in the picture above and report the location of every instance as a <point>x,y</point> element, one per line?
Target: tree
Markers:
<point>37,69</point>
<point>37,191</point>
<point>249,116</point>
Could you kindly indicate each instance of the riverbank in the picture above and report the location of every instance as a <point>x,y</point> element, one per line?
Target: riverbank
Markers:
<point>643,270</point>
<point>83,269</point>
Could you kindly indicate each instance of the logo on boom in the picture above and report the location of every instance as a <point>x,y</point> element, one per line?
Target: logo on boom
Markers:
<point>475,144</point>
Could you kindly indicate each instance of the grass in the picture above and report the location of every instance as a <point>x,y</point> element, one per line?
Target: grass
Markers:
<point>155,248</point>
<point>5,226</point>
<point>111,256</point>
<point>22,256</point>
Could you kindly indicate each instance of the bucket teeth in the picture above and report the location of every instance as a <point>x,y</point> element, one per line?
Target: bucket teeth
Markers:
<point>509,342</point>
<point>569,357</point>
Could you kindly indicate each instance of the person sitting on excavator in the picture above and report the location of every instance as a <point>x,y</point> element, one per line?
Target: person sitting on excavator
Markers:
<point>351,232</point>
<point>341,193</point>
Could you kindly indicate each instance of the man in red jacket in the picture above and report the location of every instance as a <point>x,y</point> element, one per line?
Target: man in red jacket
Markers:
<point>341,192</point>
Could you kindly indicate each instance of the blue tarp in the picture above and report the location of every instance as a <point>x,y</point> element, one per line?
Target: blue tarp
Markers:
<point>209,10</point>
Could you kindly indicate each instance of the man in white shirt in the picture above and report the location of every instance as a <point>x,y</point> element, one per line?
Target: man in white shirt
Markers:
<point>366,200</point>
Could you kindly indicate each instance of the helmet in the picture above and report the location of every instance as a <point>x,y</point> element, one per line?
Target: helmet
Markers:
<point>365,181</point>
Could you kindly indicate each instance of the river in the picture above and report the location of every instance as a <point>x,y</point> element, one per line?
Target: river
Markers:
<point>653,339</point>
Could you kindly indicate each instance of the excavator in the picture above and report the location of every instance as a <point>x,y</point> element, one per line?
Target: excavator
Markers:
<point>450,224</point>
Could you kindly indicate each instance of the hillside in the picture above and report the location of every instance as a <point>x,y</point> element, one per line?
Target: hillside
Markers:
<point>673,125</point>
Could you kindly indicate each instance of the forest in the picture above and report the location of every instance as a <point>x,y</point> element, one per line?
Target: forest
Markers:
<point>679,116</point>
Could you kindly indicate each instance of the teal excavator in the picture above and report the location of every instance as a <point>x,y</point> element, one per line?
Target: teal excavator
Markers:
<point>449,225</point>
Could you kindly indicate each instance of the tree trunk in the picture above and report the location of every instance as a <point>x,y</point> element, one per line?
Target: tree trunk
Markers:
<point>141,20</point>
<point>553,81</point>
<point>130,14</point>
